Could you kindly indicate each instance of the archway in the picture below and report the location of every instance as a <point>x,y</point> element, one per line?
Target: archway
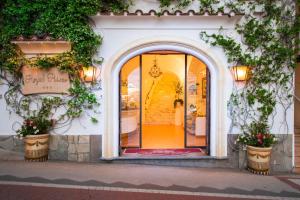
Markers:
<point>164,98</point>
<point>219,80</point>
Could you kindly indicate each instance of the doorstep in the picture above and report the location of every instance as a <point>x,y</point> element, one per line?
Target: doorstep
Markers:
<point>175,161</point>
<point>166,158</point>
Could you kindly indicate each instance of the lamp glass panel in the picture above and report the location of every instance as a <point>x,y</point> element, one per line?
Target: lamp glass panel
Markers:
<point>240,73</point>
<point>89,74</point>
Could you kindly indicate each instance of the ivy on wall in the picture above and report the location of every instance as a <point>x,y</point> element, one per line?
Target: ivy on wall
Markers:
<point>65,19</point>
<point>269,41</point>
<point>266,41</point>
<point>58,20</point>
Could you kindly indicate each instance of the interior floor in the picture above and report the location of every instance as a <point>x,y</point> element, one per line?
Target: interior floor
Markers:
<point>162,137</point>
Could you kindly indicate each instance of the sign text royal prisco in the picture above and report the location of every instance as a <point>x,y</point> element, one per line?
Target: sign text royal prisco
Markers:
<point>38,81</point>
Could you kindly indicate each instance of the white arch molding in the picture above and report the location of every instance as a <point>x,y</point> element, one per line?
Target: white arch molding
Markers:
<point>110,77</point>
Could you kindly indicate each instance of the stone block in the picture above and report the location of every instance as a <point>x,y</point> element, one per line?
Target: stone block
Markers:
<point>7,143</point>
<point>83,157</point>
<point>53,142</point>
<point>95,147</point>
<point>18,145</point>
<point>281,157</point>
<point>72,148</point>
<point>84,139</point>
<point>11,143</point>
<point>73,139</point>
<point>232,151</point>
<point>242,159</point>
<point>72,157</point>
<point>83,148</point>
<point>58,147</point>
<point>11,155</point>
<point>59,154</point>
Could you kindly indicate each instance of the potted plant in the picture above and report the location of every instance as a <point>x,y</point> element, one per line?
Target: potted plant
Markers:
<point>258,141</point>
<point>34,130</point>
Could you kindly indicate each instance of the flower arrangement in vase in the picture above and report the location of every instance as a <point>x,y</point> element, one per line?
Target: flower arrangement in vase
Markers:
<point>258,141</point>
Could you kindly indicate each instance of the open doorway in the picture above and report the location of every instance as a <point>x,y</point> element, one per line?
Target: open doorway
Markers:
<point>164,105</point>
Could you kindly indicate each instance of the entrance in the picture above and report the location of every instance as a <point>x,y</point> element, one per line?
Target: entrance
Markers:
<point>164,104</point>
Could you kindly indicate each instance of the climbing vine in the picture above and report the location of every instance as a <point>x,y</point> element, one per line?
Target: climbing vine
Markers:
<point>178,3</point>
<point>52,20</point>
<point>265,39</point>
<point>269,41</point>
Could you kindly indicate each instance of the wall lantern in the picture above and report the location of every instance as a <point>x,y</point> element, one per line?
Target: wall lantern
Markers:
<point>88,74</point>
<point>241,73</point>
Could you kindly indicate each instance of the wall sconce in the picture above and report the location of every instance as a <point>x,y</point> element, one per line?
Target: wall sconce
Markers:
<point>88,74</point>
<point>241,73</point>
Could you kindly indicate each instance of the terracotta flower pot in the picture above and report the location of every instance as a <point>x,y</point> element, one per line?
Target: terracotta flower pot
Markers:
<point>36,147</point>
<point>259,159</point>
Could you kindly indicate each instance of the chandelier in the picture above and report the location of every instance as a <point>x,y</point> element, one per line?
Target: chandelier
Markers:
<point>155,70</point>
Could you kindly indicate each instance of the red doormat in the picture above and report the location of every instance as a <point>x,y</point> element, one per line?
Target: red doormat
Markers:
<point>164,152</point>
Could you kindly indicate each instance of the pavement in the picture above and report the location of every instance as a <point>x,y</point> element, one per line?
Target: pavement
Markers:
<point>67,180</point>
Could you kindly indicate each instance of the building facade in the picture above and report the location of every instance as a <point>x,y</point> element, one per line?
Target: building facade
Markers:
<point>134,42</point>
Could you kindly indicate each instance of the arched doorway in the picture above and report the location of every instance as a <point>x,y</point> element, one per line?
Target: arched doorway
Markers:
<point>220,82</point>
<point>164,99</point>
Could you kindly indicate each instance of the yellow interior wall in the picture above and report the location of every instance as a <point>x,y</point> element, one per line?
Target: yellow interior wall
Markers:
<point>168,64</point>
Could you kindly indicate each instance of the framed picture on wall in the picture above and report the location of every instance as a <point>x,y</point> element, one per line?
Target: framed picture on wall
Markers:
<point>203,87</point>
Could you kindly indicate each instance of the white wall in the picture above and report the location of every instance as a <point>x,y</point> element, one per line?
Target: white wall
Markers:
<point>9,122</point>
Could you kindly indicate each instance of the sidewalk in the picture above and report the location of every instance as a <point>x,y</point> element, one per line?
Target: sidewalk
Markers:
<point>146,179</point>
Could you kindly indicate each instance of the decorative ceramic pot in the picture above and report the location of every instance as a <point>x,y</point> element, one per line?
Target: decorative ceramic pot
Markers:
<point>36,147</point>
<point>259,159</point>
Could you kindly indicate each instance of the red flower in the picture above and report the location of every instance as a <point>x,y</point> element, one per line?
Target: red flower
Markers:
<point>259,136</point>
<point>29,122</point>
<point>259,141</point>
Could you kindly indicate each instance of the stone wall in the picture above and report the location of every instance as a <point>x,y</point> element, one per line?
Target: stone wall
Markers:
<point>11,148</point>
<point>80,148</point>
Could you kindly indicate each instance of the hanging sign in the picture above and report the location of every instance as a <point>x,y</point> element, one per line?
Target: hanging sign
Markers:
<point>39,81</point>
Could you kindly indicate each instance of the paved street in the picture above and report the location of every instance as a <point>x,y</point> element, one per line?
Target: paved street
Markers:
<point>9,192</point>
<point>65,180</point>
